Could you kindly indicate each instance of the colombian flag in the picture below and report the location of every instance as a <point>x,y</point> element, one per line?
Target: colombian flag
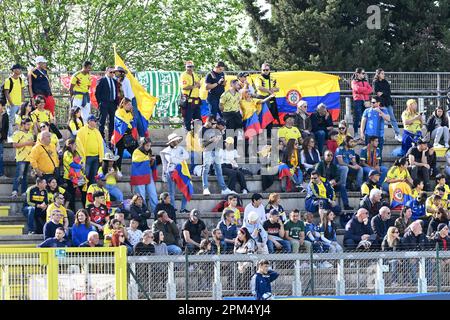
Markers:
<point>284,171</point>
<point>204,111</point>
<point>75,170</point>
<point>399,193</point>
<point>313,87</point>
<point>120,127</point>
<point>145,102</point>
<point>265,116</point>
<point>140,168</point>
<point>252,126</point>
<point>182,178</point>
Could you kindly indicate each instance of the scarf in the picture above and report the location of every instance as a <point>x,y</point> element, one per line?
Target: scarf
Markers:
<point>372,160</point>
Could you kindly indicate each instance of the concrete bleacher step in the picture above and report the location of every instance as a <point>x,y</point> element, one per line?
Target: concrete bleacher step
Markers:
<point>11,229</point>
<point>25,239</point>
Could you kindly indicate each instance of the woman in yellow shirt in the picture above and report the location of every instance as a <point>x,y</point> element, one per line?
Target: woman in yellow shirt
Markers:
<point>249,105</point>
<point>25,112</point>
<point>40,115</point>
<point>398,173</point>
<point>112,173</point>
<point>343,132</point>
<point>75,121</point>
<point>129,139</point>
<point>45,126</point>
<point>412,122</point>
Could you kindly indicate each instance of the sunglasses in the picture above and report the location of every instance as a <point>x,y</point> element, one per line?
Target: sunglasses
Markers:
<point>189,67</point>
<point>328,155</point>
<point>43,126</point>
<point>373,101</point>
<point>342,128</point>
<point>266,69</point>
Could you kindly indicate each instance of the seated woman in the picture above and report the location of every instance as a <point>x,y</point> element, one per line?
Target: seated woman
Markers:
<point>438,217</point>
<point>111,172</point>
<point>398,173</point>
<point>403,222</point>
<point>327,230</point>
<point>75,121</point>
<point>230,167</point>
<point>343,132</point>
<point>309,155</point>
<point>275,203</point>
<point>437,126</point>
<point>292,159</point>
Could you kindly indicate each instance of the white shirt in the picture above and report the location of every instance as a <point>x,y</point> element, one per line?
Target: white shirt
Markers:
<point>134,236</point>
<point>229,156</point>
<point>126,88</point>
<point>260,211</point>
<point>170,157</point>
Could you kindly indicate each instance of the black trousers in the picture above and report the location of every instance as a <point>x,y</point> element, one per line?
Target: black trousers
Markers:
<point>120,149</point>
<point>192,111</point>
<point>71,190</point>
<point>233,120</point>
<point>107,110</point>
<point>234,175</point>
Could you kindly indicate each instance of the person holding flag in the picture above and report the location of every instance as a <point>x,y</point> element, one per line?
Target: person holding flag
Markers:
<point>125,131</point>
<point>251,108</point>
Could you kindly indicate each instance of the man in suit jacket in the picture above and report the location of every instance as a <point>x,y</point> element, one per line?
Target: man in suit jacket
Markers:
<point>106,94</point>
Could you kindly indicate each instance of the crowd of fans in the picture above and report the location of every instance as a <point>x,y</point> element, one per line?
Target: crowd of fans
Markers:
<point>319,160</point>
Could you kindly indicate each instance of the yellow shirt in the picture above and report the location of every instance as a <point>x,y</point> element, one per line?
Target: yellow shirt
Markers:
<point>447,191</point>
<point>16,93</point>
<point>395,173</point>
<point>81,83</point>
<point>126,116</point>
<point>111,179</point>
<point>260,81</point>
<point>92,146</point>
<point>341,138</point>
<point>38,116</point>
<point>414,193</point>
<point>415,126</point>
<point>22,153</point>
<point>289,133</point>
<point>365,189</point>
<point>186,81</point>
<point>73,126</point>
<point>193,142</point>
<point>237,215</point>
<point>40,158</point>
<point>429,204</point>
<point>230,101</point>
<point>85,136</point>
<point>249,107</point>
<point>18,121</point>
<point>52,207</point>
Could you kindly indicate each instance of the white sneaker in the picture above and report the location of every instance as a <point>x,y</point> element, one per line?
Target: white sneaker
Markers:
<point>14,194</point>
<point>398,138</point>
<point>10,140</point>
<point>446,145</point>
<point>244,191</point>
<point>357,136</point>
<point>206,192</point>
<point>227,191</point>
<point>438,145</point>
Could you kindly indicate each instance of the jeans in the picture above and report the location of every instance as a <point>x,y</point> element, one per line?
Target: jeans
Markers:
<point>150,191</point>
<point>346,170</point>
<point>107,110</point>
<point>358,111</point>
<point>21,176</point>
<point>408,138</point>
<point>174,249</point>
<point>172,189</point>
<point>383,171</point>
<point>437,134</point>
<point>285,243</point>
<point>2,171</point>
<point>115,192</point>
<point>393,120</point>
<point>343,192</point>
<point>92,164</point>
<point>297,177</point>
<point>320,137</point>
<point>312,205</point>
<point>209,158</point>
<point>28,212</point>
<point>213,105</point>
<point>12,110</point>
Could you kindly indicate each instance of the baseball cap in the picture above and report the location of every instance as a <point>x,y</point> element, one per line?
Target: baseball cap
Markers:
<point>17,66</point>
<point>274,212</point>
<point>374,172</point>
<point>253,216</point>
<point>441,226</point>
<point>243,74</point>
<point>40,59</point>
<point>189,63</point>
<point>92,118</point>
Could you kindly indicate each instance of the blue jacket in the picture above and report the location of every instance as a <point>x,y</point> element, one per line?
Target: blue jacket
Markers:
<point>53,243</point>
<point>80,234</point>
<point>260,283</point>
<point>229,232</point>
<point>355,229</point>
<point>418,209</point>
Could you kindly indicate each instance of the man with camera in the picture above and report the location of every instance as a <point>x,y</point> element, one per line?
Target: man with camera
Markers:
<point>190,97</point>
<point>320,195</point>
<point>215,84</point>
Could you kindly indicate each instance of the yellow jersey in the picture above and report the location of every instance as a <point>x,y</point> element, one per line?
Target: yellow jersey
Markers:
<point>187,80</point>
<point>111,179</point>
<point>230,101</point>
<point>22,153</point>
<point>260,81</point>
<point>38,116</point>
<point>413,127</point>
<point>16,92</point>
<point>52,207</point>
<point>396,173</point>
<point>249,107</point>
<point>81,83</point>
<point>289,133</point>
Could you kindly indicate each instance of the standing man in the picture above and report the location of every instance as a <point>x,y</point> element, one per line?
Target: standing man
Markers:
<point>372,123</point>
<point>79,90</point>
<point>106,94</point>
<point>23,141</point>
<point>215,84</point>
<point>39,84</point>
<point>14,94</point>
<point>260,282</point>
<point>190,85</point>
<point>230,106</point>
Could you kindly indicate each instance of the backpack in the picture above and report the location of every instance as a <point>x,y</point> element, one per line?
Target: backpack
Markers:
<point>3,99</point>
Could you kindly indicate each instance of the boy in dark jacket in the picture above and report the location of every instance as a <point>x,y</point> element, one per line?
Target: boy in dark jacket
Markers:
<point>261,281</point>
<point>4,123</point>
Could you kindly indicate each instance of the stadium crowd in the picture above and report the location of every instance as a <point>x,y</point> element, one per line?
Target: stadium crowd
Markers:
<point>315,158</point>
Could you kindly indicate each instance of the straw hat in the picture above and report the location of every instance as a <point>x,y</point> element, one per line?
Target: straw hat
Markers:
<point>110,157</point>
<point>174,137</point>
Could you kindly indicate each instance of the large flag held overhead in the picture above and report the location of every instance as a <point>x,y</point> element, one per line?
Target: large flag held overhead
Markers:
<point>182,178</point>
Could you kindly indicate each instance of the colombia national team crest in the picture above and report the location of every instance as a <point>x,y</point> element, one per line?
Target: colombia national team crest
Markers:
<point>293,97</point>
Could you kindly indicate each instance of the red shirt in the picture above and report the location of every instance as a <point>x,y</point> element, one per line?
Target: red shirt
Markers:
<point>332,145</point>
<point>98,215</point>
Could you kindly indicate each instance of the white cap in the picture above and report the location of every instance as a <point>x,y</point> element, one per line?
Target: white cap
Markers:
<point>253,216</point>
<point>40,59</point>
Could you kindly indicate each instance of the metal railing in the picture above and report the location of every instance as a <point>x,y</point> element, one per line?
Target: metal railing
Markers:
<point>218,277</point>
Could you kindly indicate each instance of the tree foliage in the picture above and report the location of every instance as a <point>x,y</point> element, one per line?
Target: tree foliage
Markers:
<point>149,34</point>
<point>333,35</point>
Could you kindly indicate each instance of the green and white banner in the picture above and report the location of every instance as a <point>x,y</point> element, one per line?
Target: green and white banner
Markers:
<point>165,86</point>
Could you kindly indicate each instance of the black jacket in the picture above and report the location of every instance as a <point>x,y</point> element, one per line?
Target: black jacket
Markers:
<point>102,92</point>
<point>433,225</point>
<point>171,212</point>
<point>141,214</point>
<point>380,227</point>
<point>385,87</point>
<point>372,208</point>
<point>411,242</point>
<point>431,123</point>
<point>444,243</point>
<point>385,245</point>
<point>355,229</point>
<point>330,172</point>
<point>4,129</point>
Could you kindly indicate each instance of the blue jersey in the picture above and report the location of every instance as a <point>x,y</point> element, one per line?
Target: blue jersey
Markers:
<point>418,209</point>
<point>260,284</point>
<point>374,123</point>
<point>347,155</point>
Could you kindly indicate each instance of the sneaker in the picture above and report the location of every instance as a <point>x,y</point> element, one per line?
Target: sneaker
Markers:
<point>228,191</point>
<point>206,192</point>
<point>10,139</point>
<point>24,194</point>
<point>446,145</point>
<point>14,194</point>
<point>3,177</point>
<point>398,138</point>
<point>31,232</point>
<point>438,145</point>
<point>184,211</point>
<point>347,207</point>
<point>245,191</point>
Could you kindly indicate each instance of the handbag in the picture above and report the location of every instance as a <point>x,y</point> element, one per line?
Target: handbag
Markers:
<point>129,141</point>
<point>182,103</point>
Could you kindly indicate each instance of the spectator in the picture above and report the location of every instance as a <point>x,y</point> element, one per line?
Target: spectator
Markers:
<point>230,168</point>
<point>255,227</point>
<point>330,171</point>
<point>146,246</point>
<point>24,113</point>
<point>229,229</point>
<point>111,228</point>
<point>39,84</point>
<point>293,160</point>
<point>139,212</point>
<point>193,144</point>
<point>194,229</point>
<point>40,115</point>
<point>23,141</point>
<point>3,137</point>
<point>418,207</point>
<point>343,133</point>
<point>439,217</point>
<point>58,241</point>
<point>391,242</point>
<point>346,160</point>
<point>312,234</point>
<point>243,83</point>
<point>44,158</point>
<point>361,90</point>
<point>302,120</point>
<point>327,230</point>
<point>81,228</point>
<point>441,239</point>
<point>126,140</point>
<point>310,156</point>
<point>90,146</point>
<point>255,206</point>
<point>215,84</point>
<point>321,123</point>
<point>398,173</point>
<point>230,106</point>
<point>93,240</point>
<point>234,203</point>
<point>331,143</point>
<point>320,195</point>
<point>418,163</point>
<point>403,222</point>
<point>244,244</point>
<point>289,131</point>
<point>382,89</point>
<point>414,238</point>
<point>432,160</point>
<point>160,246</point>
<point>417,188</point>
<point>295,232</point>
<point>170,232</point>
<point>275,231</point>
<point>58,204</point>
<point>35,205</point>
<point>106,94</point>
<point>98,212</point>
<point>260,282</point>
<point>380,224</point>
<point>372,202</point>
<point>119,239</point>
<point>275,203</point>
<point>370,158</point>
<point>447,163</point>
<point>442,182</point>
<point>53,224</point>
<point>358,233</point>
<point>79,90</point>
<point>45,127</point>
<point>171,157</point>
<point>74,175</point>
<point>53,188</point>
<point>110,171</point>
<point>164,204</point>
<point>98,186</point>
<point>371,183</point>
<point>412,123</point>
<point>75,122</point>
<point>217,242</point>
<point>134,234</point>
<point>372,124</point>
<point>437,126</point>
